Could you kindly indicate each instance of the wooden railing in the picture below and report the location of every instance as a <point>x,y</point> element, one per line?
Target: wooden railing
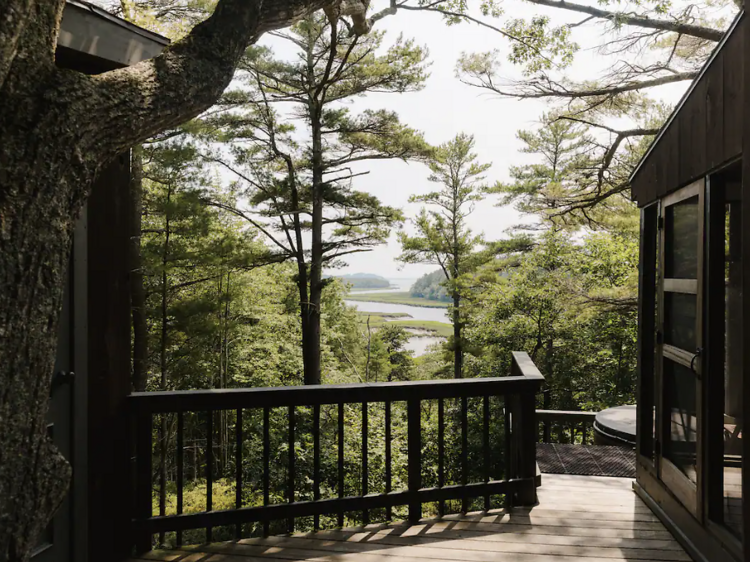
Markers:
<point>565,427</point>
<point>494,460</point>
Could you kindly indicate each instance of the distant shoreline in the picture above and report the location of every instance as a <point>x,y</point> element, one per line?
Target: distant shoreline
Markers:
<point>396,298</point>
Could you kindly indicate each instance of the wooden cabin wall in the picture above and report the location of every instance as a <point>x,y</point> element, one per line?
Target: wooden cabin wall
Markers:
<point>108,239</point>
<point>706,132</point>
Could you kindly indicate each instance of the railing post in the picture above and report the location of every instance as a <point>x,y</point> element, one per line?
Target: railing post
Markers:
<point>524,437</point>
<point>143,491</point>
<point>414,428</point>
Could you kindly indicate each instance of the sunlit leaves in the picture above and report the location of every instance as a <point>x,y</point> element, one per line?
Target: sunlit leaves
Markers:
<point>539,45</point>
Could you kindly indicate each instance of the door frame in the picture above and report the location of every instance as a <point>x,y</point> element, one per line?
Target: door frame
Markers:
<point>681,486</point>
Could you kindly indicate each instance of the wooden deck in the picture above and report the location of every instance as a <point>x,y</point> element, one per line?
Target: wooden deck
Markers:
<point>588,518</point>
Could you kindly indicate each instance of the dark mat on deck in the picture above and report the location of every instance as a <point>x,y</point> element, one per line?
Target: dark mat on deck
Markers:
<point>585,460</point>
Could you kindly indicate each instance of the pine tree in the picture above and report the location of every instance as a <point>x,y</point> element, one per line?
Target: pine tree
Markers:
<point>296,150</point>
<point>443,236</point>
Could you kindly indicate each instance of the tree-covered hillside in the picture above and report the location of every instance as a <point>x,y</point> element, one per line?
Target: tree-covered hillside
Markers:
<point>364,281</point>
<point>431,286</point>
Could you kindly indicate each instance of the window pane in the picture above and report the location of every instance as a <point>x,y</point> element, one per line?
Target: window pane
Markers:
<point>681,254</point>
<point>679,320</point>
<point>679,394</point>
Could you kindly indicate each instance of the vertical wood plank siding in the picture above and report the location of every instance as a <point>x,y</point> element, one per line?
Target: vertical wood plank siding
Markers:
<point>706,131</point>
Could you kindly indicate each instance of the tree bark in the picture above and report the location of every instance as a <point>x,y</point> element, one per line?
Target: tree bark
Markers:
<point>57,128</point>
<point>458,352</point>
<point>163,360</point>
<point>623,18</point>
<point>312,349</point>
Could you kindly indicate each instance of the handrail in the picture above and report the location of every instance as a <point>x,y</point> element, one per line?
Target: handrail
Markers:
<point>565,415</point>
<point>232,398</point>
<point>508,470</point>
<point>566,426</point>
<point>523,365</point>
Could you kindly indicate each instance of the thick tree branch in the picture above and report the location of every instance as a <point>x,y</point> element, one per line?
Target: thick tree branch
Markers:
<point>545,87</point>
<point>130,104</point>
<point>620,18</point>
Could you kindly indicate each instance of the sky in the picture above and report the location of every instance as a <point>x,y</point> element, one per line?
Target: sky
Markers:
<point>446,107</point>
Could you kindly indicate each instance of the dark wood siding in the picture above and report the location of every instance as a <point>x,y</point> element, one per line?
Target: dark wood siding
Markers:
<point>109,360</point>
<point>706,131</point>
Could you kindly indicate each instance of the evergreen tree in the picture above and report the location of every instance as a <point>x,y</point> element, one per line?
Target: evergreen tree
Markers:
<point>443,236</point>
<point>570,306</point>
<point>569,186</point>
<point>296,149</point>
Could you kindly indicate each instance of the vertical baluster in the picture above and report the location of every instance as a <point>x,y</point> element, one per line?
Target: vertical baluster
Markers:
<point>266,463</point>
<point>508,451</point>
<point>162,470</point>
<point>389,511</point>
<point>290,491</point>
<point>365,475</point>
<point>464,452</point>
<point>341,459</point>
<point>238,469</point>
<point>209,470</point>
<point>180,467</point>
<point>441,452</point>
<point>316,460</point>
<point>486,447</point>
<point>414,430</point>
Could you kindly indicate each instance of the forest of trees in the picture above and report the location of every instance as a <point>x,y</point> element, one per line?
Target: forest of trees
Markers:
<point>243,214</point>
<point>245,209</point>
<point>431,286</point>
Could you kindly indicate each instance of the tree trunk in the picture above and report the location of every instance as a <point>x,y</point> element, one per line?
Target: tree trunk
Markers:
<point>57,128</point>
<point>458,352</point>
<point>163,362</point>
<point>312,351</point>
<point>34,249</point>
<point>137,290</point>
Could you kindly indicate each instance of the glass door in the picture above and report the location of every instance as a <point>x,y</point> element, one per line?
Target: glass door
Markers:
<point>679,343</point>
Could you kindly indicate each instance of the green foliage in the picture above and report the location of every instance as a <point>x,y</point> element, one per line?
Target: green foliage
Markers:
<point>542,47</point>
<point>563,187</point>
<point>431,286</point>
<point>572,308</point>
<point>443,236</point>
<point>364,281</point>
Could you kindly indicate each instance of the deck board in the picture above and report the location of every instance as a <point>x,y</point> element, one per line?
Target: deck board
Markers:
<point>578,518</point>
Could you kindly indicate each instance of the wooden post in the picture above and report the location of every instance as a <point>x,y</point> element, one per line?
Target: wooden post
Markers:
<point>414,421</point>
<point>143,438</point>
<point>524,437</point>
<point>646,329</point>
<point>108,354</point>
<point>745,249</point>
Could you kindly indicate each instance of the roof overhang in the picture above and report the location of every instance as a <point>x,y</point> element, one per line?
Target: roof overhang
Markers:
<point>104,40</point>
<point>686,95</point>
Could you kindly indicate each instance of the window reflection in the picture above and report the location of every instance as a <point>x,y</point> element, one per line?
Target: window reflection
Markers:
<point>682,240</point>
<point>679,320</point>
<point>680,400</point>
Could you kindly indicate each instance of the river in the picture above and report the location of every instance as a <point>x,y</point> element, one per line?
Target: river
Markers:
<point>416,312</point>
<point>419,343</point>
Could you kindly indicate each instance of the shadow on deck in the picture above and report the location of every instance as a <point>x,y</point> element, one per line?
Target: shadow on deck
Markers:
<point>584,518</point>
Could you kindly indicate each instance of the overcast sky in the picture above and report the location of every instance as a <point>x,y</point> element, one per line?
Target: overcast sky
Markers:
<point>446,107</point>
